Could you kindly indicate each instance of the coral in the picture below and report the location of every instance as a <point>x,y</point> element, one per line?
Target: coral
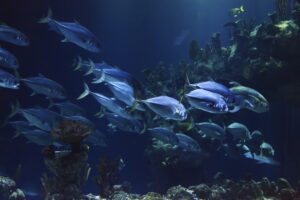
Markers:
<point>179,192</point>
<point>9,190</point>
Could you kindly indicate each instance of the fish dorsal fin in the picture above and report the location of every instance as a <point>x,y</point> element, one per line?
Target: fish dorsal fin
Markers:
<point>64,40</point>
<point>234,83</point>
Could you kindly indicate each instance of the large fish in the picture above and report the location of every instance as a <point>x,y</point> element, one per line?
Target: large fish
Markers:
<point>68,108</point>
<point>74,33</point>
<point>164,134</point>
<point>239,131</point>
<point>12,35</point>
<point>207,101</point>
<point>39,117</point>
<point>123,124</point>
<point>250,99</point>
<point>45,86</point>
<point>187,143</point>
<point>108,103</point>
<point>8,60</point>
<point>167,107</point>
<point>8,80</point>
<point>211,130</point>
<point>215,87</point>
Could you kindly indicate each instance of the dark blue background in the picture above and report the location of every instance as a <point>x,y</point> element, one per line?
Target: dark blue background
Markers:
<point>134,34</point>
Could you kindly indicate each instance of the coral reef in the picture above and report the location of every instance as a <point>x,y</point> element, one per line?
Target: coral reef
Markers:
<point>9,190</point>
<point>224,189</point>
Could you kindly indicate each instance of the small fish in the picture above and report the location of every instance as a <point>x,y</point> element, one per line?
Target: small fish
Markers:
<point>68,108</point>
<point>12,35</point>
<point>207,101</point>
<point>187,143</point>
<point>261,159</point>
<point>250,99</point>
<point>211,130</point>
<point>45,86</point>
<point>164,134</point>
<point>8,60</point>
<point>234,12</point>
<point>266,149</point>
<point>38,137</point>
<point>108,103</point>
<point>124,124</point>
<point>239,131</point>
<point>8,80</point>
<point>214,87</point>
<point>74,33</point>
<point>96,138</point>
<point>167,107</point>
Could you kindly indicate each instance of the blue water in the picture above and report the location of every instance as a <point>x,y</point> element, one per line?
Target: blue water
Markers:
<point>134,34</point>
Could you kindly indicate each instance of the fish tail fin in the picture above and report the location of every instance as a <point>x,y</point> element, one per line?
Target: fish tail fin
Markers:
<point>92,67</point>
<point>85,92</point>
<point>191,124</point>
<point>47,18</point>
<point>101,113</point>
<point>77,63</point>
<point>242,8</point>
<point>14,110</point>
<point>134,106</point>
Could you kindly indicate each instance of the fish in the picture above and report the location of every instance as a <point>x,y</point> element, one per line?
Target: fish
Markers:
<point>68,109</point>
<point>187,143</point>
<point>8,60</point>
<point>96,138</point>
<point>261,159</point>
<point>234,12</point>
<point>41,118</point>
<point>266,149</point>
<point>124,124</point>
<point>13,36</point>
<point>239,131</point>
<point>207,101</point>
<point>211,130</point>
<point>8,80</point>
<point>214,87</point>
<point>235,150</point>
<point>73,32</point>
<point>167,107</point>
<point>45,86</point>
<point>108,103</point>
<point>20,126</point>
<point>38,137</point>
<point>164,134</point>
<point>122,91</point>
<point>250,99</point>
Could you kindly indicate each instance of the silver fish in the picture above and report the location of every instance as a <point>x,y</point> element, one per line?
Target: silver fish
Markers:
<point>167,107</point>
<point>239,131</point>
<point>74,33</point>
<point>211,130</point>
<point>123,124</point>
<point>8,60</point>
<point>261,159</point>
<point>207,101</point>
<point>108,103</point>
<point>45,86</point>
<point>8,80</point>
<point>39,137</point>
<point>12,35</point>
<point>187,143</point>
<point>164,134</point>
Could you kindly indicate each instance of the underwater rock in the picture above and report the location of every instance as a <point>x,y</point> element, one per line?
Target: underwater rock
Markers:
<point>9,190</point>
<point>250,190</point>
<point>179,193</point>
<point>202,191</point>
